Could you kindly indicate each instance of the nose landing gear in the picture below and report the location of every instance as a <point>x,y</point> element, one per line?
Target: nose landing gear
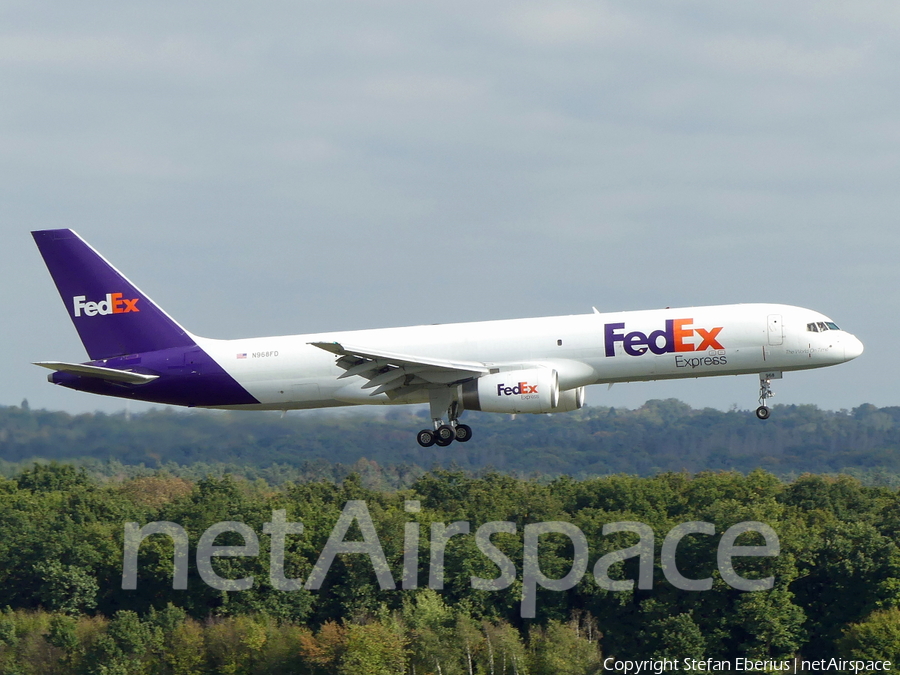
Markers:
<point>765,393</point>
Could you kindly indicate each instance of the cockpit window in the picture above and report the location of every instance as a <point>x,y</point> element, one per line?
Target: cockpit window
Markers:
<point>831,325</point>
<point>821,326</point>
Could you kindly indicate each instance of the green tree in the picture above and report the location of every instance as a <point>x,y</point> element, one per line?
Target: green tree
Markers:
<point>876,638</point>
<point>468,635</point>
<point>677,636</point>
<point>66,588</point>
<point>431,624</point>
<point>848,574</point>
<point>373,649</point>
<point>63,634</point>
<point>185,648</point>
<point>505,650</point>
<point>773,621</point>
<point>236,644</point>
<point>560,649</point>
<point>128,647</point>
<point>53,477</point>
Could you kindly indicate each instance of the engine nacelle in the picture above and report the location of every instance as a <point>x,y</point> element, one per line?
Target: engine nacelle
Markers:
<point>569,400</point>
<point>513,391</point>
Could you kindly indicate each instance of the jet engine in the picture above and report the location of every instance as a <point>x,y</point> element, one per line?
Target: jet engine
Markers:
<point>571,399</point>
<point>513,391</point>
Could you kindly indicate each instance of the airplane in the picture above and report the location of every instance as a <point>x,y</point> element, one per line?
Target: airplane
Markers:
<point>537,365</point>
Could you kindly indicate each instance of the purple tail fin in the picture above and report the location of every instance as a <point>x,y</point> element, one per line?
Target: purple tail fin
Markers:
<point>111,315</point>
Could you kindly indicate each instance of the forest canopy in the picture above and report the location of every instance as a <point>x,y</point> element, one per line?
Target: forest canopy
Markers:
<point>73,484</point>
<point>836,576</point>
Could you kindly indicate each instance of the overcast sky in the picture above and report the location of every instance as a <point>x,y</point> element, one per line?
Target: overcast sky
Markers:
<point>290,167</point>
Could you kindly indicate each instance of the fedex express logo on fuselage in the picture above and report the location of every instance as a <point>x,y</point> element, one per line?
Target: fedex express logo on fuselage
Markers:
<point>113,304</point>
<point>672,339</point>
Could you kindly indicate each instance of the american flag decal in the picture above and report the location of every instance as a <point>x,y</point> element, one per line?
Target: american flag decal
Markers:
<point>242,356</point>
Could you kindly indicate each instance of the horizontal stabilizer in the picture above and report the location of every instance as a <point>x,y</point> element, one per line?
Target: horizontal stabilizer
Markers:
<point>99,372</point>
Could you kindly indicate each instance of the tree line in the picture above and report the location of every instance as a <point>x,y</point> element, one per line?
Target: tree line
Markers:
<point>659,436</point>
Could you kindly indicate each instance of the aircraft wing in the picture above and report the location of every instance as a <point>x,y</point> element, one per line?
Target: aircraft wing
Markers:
<point>399,374</point>
<point>99,372</point>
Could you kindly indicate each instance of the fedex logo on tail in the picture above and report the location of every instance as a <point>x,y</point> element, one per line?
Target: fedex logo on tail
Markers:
<point>677,336</point>
<point>113,304</point>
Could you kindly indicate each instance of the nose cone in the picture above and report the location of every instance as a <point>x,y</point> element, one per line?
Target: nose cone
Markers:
<point>853,347</point>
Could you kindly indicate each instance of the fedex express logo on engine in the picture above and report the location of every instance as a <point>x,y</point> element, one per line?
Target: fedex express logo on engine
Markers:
<point>675,337</point>
<point>516,390</point>
<point>113,304</point>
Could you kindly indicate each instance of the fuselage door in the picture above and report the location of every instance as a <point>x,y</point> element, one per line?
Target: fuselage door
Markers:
<point>776,329</point>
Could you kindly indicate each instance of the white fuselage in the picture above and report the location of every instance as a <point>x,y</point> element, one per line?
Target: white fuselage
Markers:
<point>288,372</point>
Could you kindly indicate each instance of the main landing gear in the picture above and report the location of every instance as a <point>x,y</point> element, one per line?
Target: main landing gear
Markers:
<point>765,393</point>
<point>444,434</point>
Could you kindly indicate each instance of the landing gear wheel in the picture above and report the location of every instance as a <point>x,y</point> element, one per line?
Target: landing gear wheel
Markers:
<point>426,438</point>
<point>762,412</point>
<point>463,432</point>
<point>445,435</point>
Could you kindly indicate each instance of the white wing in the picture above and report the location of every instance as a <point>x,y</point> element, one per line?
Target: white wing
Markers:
<point>399,374</point>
